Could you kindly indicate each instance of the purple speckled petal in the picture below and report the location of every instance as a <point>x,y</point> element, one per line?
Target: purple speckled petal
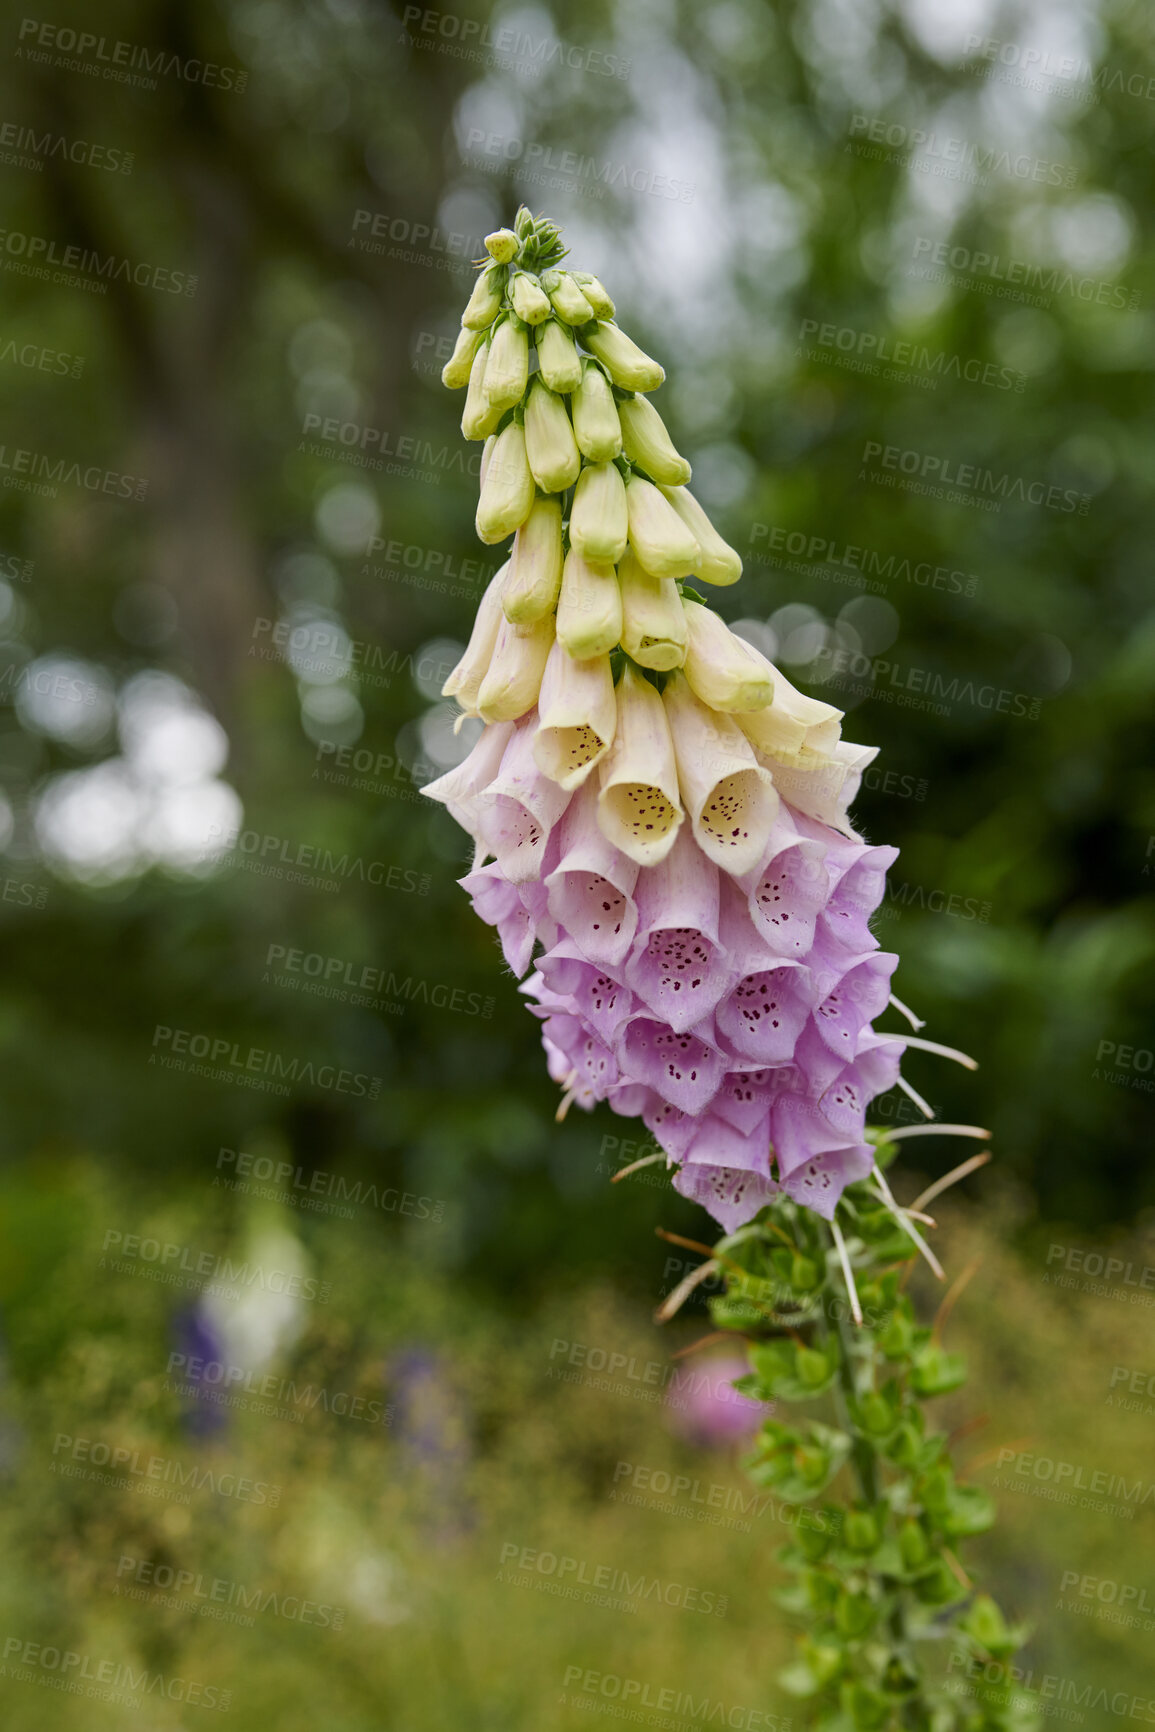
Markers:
<point>717,1143</point>
<point>497,902</point>
<point>785,894</point>
<point>520,807</point>
<point>765,1013</point>
<point>583,1053</point>
<point>671,1128</point>
<point>800,1131</point>
<point>682,1068</point>
<point>854,1001</point>
<point>856,896</point>
<point>677,966</point>
<point>591,888</point>
<point>732,1197</point>
<point>820,1182</point>
<point>461,789</point>
<point>601,1002</point>
<point>743,1100</point>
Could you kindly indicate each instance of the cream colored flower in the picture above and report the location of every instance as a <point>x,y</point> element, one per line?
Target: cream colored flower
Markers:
<point>646,442</point>
<point>730,797</point>
<point>639,809</point>
<point>654,629</point>
<point>629,366</point>
<point>513,681</point>
<point>599,523</point>
<point>457,370</point>
<point>589,611</point>
<point>507,490</point>
<point>723,670</point>
<point>534,580</point>
<point>596,426</point>
<point>577,716</point>
<point>718,563</point>
<point>464,683</point>
<point>554,459</point>
<point>479,418</point>
<point>507,369</point>
<point>557,357</point>
<point>657,534</point>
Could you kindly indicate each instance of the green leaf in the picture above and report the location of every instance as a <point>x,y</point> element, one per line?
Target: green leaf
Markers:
<point>855,1614</point>
<point>934,1371</point>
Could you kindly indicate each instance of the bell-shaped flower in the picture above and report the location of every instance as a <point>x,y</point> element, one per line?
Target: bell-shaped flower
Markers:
<point>658,536</point>
<point>722,669</point>
<point>718,563</point>
<point>678,967</point>
<point>507,490</point>
<point>591,889</point>
<point>647,443</point>
<point>596,998</point>
<point>507,368</point>
<point>597,297</point>
<point>464,683</point>
<point>577,714</point>
<point>639,809</point>
<point>654,629</point>
<point>502,245</point>
<point>732,1194</point>
<point>567,299</point>
<point>794,729</point>
<point>786,890</point>
<point>461,789</point>
<point>519,809</point>
<point>533,582</point>
<point>498,902</point>
<point>557,357</point>
<point>595,416</point>
<point>852,1002</point>
<point>599,524</point>
<point>554,459</point>
<point>858,892</point>
<point>513,680</point>
<point>484,303</point>
<point>479,418</point>
<point>579,1061</point>
<point>819,1182</point>
<point>457,370</point>
<point>627,365</point>
<point>764,1014</point>
<point>589,611</point>
<point>685,1068</point>
<point>530,301</point>
<point>824,788</point>
<point>730,798</point>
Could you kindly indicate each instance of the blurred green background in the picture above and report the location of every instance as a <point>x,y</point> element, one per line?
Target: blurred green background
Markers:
<point>897,262</point>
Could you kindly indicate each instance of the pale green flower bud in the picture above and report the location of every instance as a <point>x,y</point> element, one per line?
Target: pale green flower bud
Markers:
<point>567,299</point>
<point>457,370</point>
<point>599,525</point>
<point>577,716</point>
<point>795,729</point>
<point>589,612</point>
<point>479,418</point>
<point>723,670</point>
<point>502,245</point>
<point>507,490</point>
<point>629,366</point>
<point>603,307</point>
<point>730,797</point>
<point>530,301</point>
<point>553,455</point>
<point>507,369</point>
<point>639,807</point>
<point>464,683</point>
<point>717,563</point>
<point>653,621</point>
<point>534,580</point>
<point>513,681</point>
<point>558,357</point>
<point>646,442</point>
<point>484,303</point>
<point>658,536</point>
<point>595,416</point>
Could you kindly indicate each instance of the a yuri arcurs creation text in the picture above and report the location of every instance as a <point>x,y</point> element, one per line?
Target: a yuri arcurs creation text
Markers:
<point>662,843</point>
